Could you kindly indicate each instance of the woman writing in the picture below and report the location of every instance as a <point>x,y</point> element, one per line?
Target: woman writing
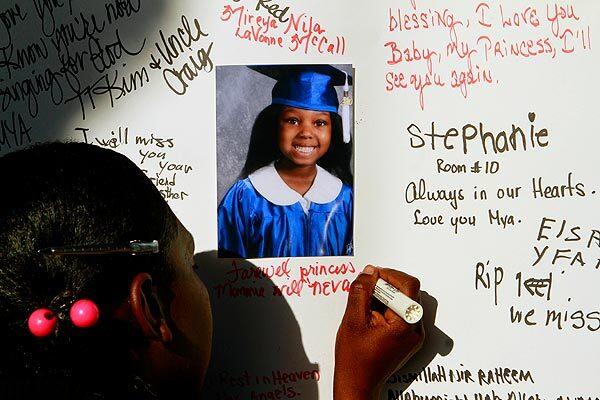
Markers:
<point>99,298</point>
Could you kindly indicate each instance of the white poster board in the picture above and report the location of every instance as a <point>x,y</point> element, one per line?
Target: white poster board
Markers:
<point>475,144</point>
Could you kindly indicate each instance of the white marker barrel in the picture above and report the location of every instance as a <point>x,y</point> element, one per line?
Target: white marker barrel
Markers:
<point>401,304</point>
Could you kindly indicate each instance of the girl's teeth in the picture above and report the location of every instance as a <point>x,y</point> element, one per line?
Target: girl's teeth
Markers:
<point>305,150</point>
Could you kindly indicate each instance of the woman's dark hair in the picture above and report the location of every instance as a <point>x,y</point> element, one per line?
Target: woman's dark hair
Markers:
<point>264,148</point>
<point>72,194</point>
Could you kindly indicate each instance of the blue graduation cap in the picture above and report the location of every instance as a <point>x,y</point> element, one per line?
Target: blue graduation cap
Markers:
<point>310,87</point>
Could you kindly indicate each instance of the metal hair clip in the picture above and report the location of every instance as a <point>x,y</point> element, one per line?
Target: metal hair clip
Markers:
<point>133,248</point>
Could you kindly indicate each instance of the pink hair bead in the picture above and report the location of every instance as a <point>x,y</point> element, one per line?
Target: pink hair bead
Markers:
<point>84,313</point>
<point>42,322</point>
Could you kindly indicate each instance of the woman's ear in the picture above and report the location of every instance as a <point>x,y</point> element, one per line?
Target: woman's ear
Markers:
<point>146,309</point>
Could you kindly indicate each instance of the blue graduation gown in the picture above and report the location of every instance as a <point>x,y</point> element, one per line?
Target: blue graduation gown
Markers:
<point>252,226</point>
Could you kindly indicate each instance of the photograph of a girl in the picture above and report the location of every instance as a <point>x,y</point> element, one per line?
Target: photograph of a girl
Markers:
<point>294,195</point>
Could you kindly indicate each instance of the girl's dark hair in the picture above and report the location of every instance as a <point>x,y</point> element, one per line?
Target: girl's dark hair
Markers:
<point>71,194</point>
<point>264,148</point>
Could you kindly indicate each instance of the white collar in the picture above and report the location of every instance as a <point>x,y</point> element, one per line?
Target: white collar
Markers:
<point>325,188</point>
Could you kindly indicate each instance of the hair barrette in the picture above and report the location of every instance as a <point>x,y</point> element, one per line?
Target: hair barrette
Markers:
<point>133,248</point>
<point>84,313</point>
<point>42,322</point>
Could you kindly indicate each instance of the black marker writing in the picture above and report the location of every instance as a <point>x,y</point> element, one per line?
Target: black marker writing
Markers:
<point>273,9</point>
<point>82,27</point>
<point>14,132</point>
<point>172,47</point>
<point>113,85</point>
<point>9,18</point>
<point>13,59</point>
<point>45,11</point>
<point>121,9</point>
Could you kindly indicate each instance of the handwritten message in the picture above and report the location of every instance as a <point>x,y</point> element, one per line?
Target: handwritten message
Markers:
<point>561,245</point>
<point>499,383</point>
<point>268,24</point>
<point>79,57</point>
<point>458,51</point>
<point>176,45</point>
<point>315,279</point>
<point>478,138</point>
<point>276,384</point>
<point>60,59</point>
<point>155,156</point>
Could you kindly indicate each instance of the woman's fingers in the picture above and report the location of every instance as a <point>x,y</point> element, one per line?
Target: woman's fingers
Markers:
<point>358,309</point>
<point>407,284</point>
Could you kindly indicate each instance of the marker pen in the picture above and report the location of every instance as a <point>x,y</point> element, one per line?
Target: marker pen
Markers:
<point>401,304</point>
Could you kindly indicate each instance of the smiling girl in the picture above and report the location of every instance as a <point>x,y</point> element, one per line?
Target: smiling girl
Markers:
<point>295,198</point>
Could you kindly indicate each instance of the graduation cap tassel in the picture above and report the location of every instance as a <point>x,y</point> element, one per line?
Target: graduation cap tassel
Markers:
<point>346,103</point>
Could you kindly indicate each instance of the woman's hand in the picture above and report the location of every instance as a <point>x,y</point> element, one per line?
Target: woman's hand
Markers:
<point>370,345</point>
